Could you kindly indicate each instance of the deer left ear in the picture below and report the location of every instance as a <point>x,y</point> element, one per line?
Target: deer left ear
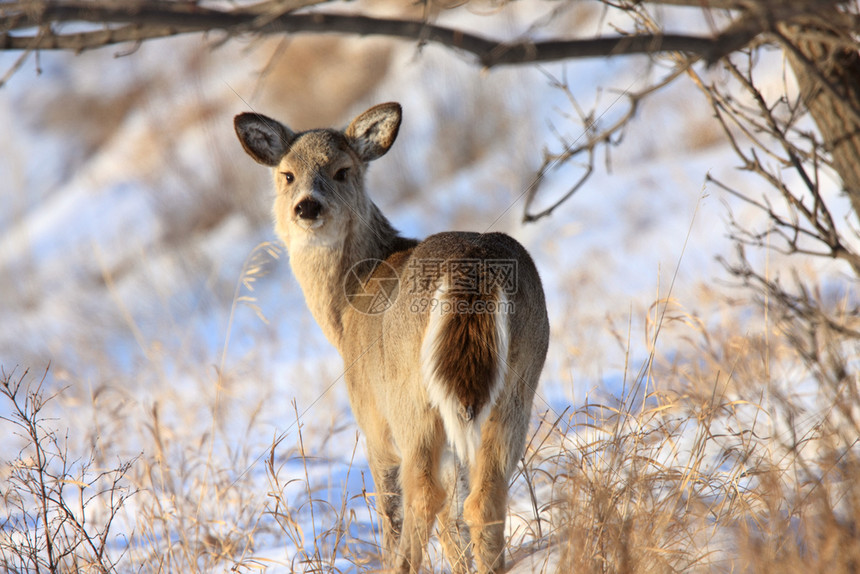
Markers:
<point>264,139</point>
<point>373,132</point>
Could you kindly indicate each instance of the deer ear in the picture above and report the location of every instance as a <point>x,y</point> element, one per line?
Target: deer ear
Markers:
<point>266,140</point>
<point>373,132</point>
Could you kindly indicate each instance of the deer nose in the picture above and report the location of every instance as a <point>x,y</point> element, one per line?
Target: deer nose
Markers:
<point>308,208</point>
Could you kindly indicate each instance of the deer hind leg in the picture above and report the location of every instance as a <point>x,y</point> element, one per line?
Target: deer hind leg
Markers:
<point>453,532</point>
<point>423,498</point>
<point>486,506</point>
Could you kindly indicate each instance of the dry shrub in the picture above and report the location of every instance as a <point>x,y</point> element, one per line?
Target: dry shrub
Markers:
<point>628,492</point>
<point>58,512</point>
<point>734,453</point>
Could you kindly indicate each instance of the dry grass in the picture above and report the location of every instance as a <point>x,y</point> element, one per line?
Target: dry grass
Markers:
<point>700,467</point>
<point>707,462</point>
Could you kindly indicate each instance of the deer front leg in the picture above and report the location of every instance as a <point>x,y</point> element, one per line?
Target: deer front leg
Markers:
<point>385,468</point>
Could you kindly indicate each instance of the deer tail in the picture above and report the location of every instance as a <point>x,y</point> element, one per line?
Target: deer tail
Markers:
<point>464,362</point>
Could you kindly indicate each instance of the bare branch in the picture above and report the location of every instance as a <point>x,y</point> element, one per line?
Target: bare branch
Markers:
<point>794,306</point>
<point>594,137</point>
<point>140,22</point>
<point>806,224</point>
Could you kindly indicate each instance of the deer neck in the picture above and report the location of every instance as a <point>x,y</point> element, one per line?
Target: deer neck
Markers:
<point>322,268</point>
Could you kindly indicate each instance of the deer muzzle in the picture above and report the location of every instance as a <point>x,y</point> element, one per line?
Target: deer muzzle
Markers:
<point>308,208</point>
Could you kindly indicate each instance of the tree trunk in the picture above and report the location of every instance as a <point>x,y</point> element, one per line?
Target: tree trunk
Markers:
<point>829,79</point>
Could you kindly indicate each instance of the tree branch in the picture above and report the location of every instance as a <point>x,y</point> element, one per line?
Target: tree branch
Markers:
<point>594,137</point>
<point>140,22</point>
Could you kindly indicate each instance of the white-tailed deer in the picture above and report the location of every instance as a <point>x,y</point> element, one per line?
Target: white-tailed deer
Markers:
<point>443,340</point>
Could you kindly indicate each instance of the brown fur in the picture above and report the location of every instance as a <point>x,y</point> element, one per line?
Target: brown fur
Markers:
<point>472,358</point>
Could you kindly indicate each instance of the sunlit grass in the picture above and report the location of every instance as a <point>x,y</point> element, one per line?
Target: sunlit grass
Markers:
<point>707,462</point>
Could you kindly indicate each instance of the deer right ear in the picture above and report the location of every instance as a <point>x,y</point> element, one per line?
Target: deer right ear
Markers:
<point>373,132</point>
<point>266,140</point>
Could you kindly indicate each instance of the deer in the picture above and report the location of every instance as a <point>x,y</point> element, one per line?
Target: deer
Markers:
<point>443,340</point>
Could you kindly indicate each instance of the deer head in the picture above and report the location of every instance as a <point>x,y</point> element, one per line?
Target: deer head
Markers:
<point>319,174</point>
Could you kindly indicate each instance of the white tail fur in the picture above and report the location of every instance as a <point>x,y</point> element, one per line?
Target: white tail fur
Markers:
<point>463,432</point>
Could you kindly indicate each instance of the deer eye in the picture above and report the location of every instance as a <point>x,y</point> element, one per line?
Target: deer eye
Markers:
<point>288,176</point>
<point>340,175</point>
